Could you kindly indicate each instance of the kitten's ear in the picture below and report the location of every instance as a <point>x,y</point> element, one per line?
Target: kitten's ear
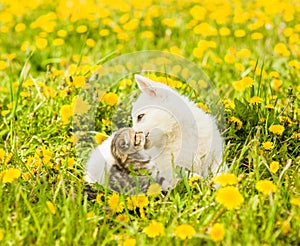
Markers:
<point>145,85</point>
<point>123,157</point>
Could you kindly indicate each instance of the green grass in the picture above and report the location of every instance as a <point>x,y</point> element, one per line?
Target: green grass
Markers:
<point>36,136</point>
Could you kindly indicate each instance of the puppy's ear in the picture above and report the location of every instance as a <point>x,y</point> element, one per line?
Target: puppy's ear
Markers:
<point>146,85</point>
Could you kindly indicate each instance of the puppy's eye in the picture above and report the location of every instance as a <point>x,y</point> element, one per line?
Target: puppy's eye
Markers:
<point>140,117</point>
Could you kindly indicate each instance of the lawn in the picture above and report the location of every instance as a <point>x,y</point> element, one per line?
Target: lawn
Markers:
<point>54,110</point>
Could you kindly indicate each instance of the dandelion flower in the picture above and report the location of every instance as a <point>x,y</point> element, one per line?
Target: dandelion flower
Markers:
<point>51,207</point>
<point>255,100</point>
<point>274,166</point>
<point>9,175</point>
<point>265,186</point>
<point>100,137</point>
<point>66,112</point>
<point>226,179</point>
<point>115,204</point>
<point>129,242</point>
<point>81,29</point>
<point>184,231</point>
<point>295,201</point>
<point>154,229</point>
<point>2,154</point>
<point>285,227</point>
<point>268,145</point>
<point>110,98</point>
<point>142,201</point>
<point>78,81</point>
<point>1,234</point>
<point>99,198</point>
<point>3,65</point>
<point>193,181</point>
<point>276,129</point>
<point>122,218</point>
<point>217,232</point>
<point>237,122</point>
<point>70,162</point>
<point>229,197</point>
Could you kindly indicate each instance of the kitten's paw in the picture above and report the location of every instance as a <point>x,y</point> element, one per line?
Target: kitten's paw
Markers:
<point>139,140</point>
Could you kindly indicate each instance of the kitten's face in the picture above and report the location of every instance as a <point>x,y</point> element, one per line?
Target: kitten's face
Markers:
<point>155,123</point>
<point>128,144</point>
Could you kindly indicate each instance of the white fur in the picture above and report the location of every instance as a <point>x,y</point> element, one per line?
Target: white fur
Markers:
<point>181,134</point>
<point>184,135</point>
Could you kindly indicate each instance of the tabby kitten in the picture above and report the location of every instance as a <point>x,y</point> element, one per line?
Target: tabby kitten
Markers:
<point>132,170</point>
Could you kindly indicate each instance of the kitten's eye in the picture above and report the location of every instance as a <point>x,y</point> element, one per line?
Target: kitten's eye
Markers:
<point>140,117</point>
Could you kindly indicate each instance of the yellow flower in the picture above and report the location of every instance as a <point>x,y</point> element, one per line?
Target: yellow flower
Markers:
<point>285,119</point>
<point>224,31</point>
<point>58,42</point>
<point>203,107</point>
<point>240,33</point>
<point>229,58</point>
<point>268,145</point>
<point>276,129</point>
<point>228,104</point>
<point>154,190</point>
<point>78,81</point>
<point>184,231</point>
<point>2,154</point>
<point>265,186</point>
<point>115,203</point>
<point>1,234</point>
<point>90,42</point>
<point>217,232</point>
<point>147,34</point>
<point>242,84</point>
<point>122,218</point>
<point>129,242</point>
<point>255,100</point>
<point>285,227</point>
<point>62,33</point>
<point>274,166</point>
<point>41,43</point>
<point>71,162</point>
<point>99,198</point>
<point>9,175</point>
<point>276,84</point>
<point>257,36</point>
<point>238,123</point>
<point>154,229</point>
<point>81,29</point>
<point>193,181</point>
<point>270,106</point>
<point>226,179</point>
<point>110,98</point>
<point>51,207</point>
<point>3,65</point>
<point>66,112</point>
<point>20,27</point>
<point>295,201</point>
<point>281,49</point>
<point>100,137</point>
<point>229,197</point>
<point>142,201</point>
<point>104,32</point>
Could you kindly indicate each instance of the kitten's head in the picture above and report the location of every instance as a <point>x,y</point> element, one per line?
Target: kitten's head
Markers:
<point>152,112</point>
<point>125,146</point>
